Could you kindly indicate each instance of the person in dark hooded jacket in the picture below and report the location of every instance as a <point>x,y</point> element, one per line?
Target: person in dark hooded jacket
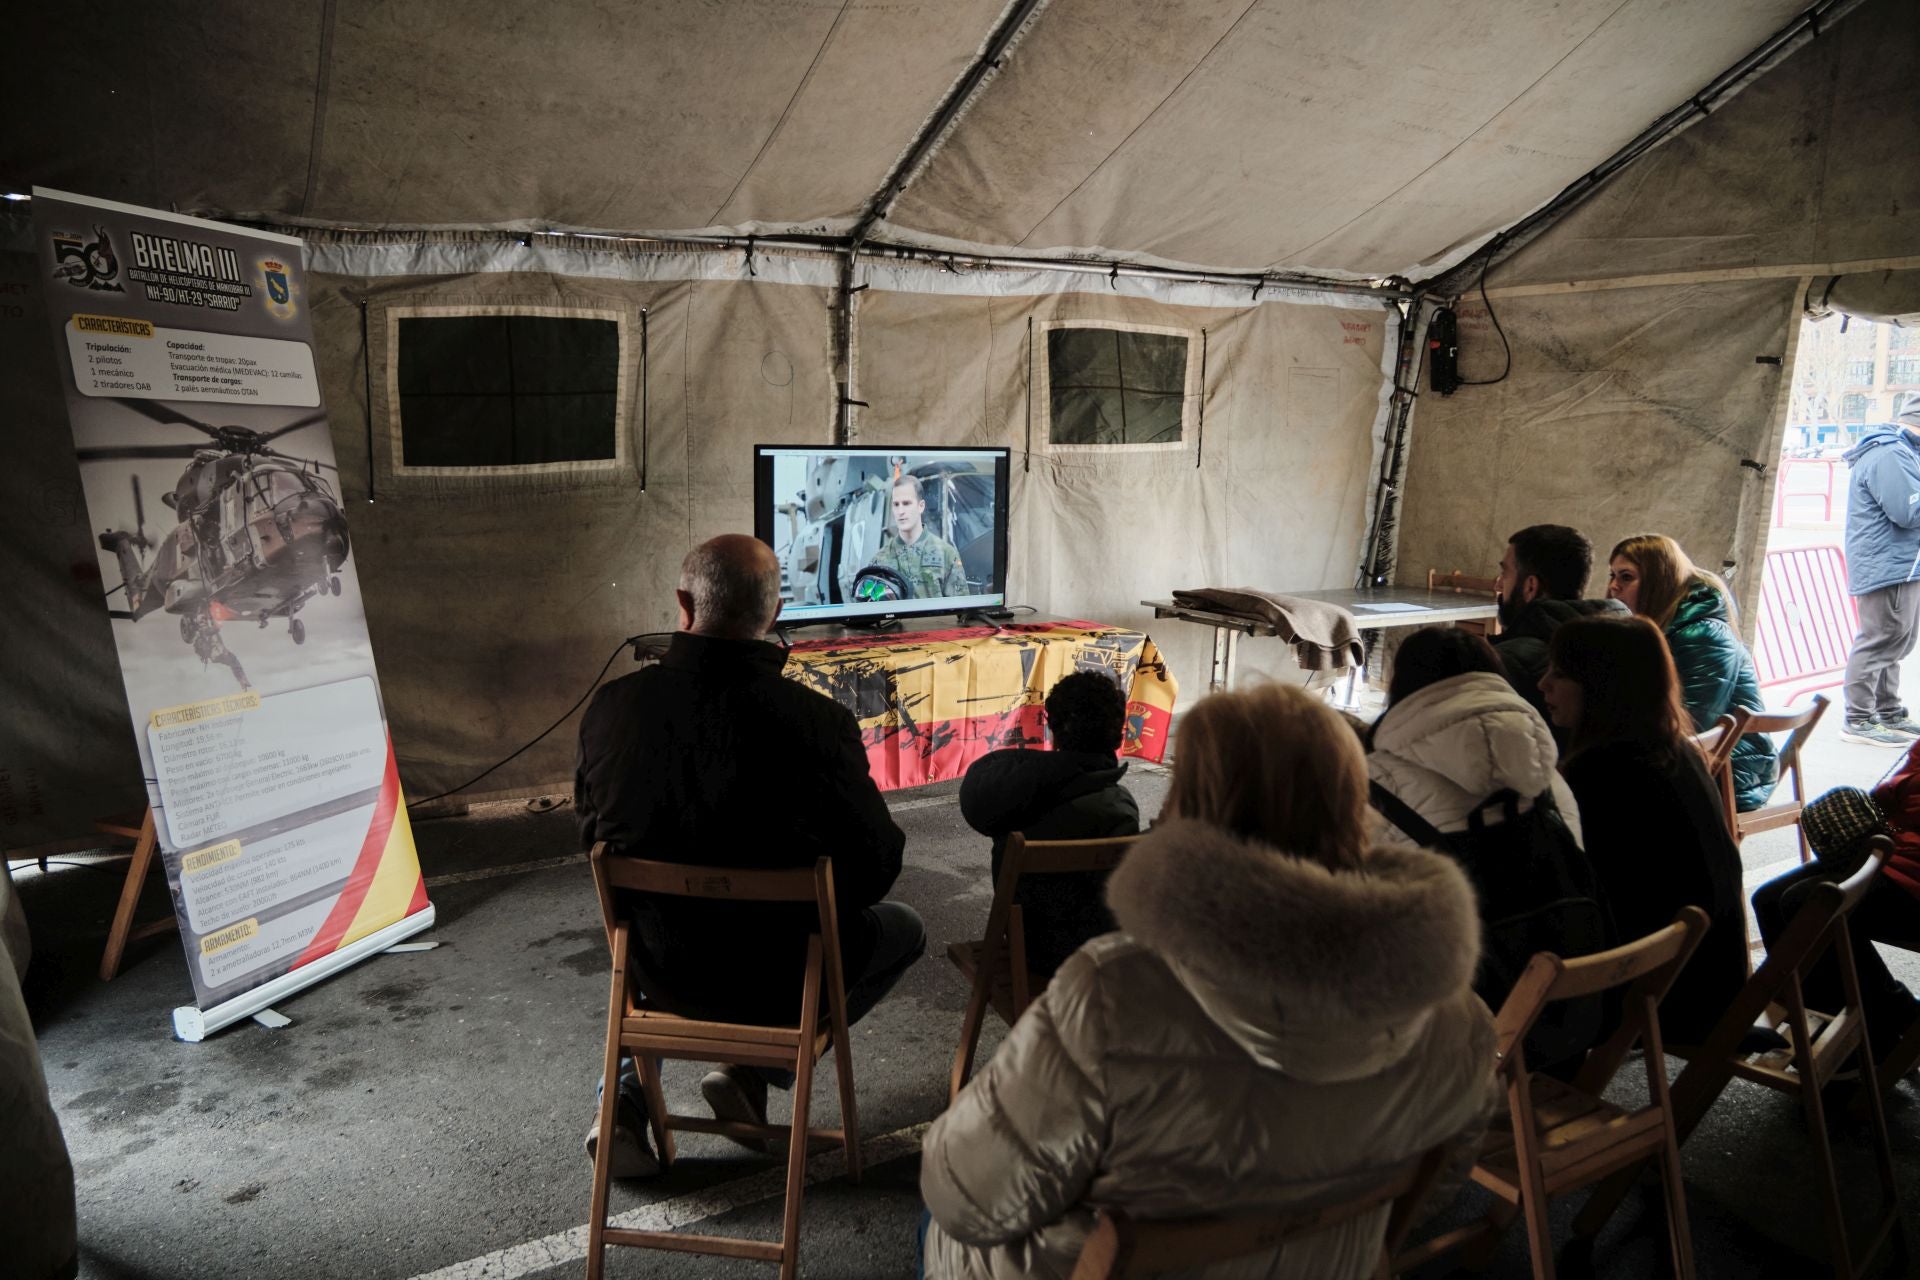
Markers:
<point>1072,792</point>
<point>1543,576</point>
<point>1883,574</point>
<point>1652,576</point>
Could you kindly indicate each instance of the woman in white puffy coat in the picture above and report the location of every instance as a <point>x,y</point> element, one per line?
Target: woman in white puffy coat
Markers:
<point>1284,1012</point>
<point>1454,733</point>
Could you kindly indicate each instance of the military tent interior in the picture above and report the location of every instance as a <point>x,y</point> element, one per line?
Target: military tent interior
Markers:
<point>823,221</point>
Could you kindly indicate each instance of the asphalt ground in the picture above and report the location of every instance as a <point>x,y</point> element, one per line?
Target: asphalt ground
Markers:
<point>423,1114</point>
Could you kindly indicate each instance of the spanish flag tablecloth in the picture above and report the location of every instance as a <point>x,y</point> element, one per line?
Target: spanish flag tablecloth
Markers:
<point>930,703</point>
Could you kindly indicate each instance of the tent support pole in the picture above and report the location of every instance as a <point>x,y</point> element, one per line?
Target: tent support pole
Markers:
<point>1382,544</point>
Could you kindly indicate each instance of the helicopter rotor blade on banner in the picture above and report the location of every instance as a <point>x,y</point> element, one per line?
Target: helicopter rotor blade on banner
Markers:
<point>161,413</point>
<point>305,462</point>
<point>131,452</point>
<point>295,425</point>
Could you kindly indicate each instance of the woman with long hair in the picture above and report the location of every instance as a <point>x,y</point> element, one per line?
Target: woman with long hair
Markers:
<point>1284,1008</point>
<point>1653,819</point>
<point>1653,577</point>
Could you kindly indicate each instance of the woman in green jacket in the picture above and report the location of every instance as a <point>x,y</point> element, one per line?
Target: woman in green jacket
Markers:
<point>1652,576</point>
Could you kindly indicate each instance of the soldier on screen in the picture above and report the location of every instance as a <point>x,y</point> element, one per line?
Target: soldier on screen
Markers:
<point>928,563</point>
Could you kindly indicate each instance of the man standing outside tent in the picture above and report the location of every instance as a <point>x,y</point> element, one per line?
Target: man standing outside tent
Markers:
<point>1883,573</point>
<point>1543,575</point>
<point>713,757</point>
<point>928,563</point>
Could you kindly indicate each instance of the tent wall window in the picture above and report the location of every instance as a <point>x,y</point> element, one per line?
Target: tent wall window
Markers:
<point>507,390</point>
<point>1116,386</point>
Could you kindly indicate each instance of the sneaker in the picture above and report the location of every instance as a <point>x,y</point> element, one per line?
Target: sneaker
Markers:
<point>739,1095</point>
<point>1902,723</point>
<point>631,1155</point>
<point>1874,733</point>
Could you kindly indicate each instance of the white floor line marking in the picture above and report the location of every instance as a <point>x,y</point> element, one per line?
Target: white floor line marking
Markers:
<point>513,869</point>
<point>925,802</point>
<point>570,1246</point>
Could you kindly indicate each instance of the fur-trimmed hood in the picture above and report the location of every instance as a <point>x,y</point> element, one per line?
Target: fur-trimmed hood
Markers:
<point>1328,975</point>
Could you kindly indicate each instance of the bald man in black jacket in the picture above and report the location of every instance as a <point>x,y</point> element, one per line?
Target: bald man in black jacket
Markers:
<point>711,756</point>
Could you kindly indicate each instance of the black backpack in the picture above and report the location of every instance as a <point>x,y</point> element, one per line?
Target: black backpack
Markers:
<point>1537,892</point>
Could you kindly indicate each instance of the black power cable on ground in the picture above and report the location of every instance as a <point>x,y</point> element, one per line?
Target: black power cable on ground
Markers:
<point>635,641</point>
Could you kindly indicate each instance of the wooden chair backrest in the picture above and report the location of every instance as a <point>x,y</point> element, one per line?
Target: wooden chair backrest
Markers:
<point>1820,922</point>
<point>1717,740</point>
<point>1798,726</point>
<point>1461,583</point>
<point>813,884</point>
<point>1716,743</point>
<point>1022,856</point>
<point>1645,967</point>
<point>1122,1246</point>
<point>1054,857</point>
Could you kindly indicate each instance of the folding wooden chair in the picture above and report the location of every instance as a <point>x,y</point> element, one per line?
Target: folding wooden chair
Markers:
<point>1716,743</point>
<point>1467,585</point>
<point>1820,1044</point>
<point>1798,726</point>
<point>996,966</point>
<point>1559,1137</point>
<point>650,1035</point>
<point>1125,1248</point>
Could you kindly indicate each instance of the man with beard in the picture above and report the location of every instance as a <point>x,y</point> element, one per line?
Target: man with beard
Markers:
<point>1542,578</point>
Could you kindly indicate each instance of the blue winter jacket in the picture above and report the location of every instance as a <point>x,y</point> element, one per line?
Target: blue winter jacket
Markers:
<point>1883,510</point>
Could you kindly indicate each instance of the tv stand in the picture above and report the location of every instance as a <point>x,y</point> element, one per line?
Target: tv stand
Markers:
<point>983,617</point>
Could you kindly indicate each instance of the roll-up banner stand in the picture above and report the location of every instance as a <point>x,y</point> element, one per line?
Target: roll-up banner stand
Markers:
<point>187,352</point>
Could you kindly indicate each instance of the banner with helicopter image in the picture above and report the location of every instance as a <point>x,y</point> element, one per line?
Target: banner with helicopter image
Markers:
<point>186,351</point>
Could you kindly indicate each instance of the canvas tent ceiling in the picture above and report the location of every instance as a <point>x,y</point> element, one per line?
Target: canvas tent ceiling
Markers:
<point>1108,131</point>
<point>1308,135</point>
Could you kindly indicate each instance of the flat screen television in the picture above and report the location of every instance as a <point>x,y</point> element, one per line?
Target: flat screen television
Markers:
<point>865,534</point>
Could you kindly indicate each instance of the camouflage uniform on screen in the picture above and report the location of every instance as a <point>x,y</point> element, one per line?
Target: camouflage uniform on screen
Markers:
<point>930,565</point>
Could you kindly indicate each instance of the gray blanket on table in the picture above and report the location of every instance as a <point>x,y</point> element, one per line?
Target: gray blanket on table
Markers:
<point>1324,636</point>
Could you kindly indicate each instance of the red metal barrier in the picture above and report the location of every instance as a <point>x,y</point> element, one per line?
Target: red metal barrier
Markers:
<point>1807,621</point>
<point>1783,491</point>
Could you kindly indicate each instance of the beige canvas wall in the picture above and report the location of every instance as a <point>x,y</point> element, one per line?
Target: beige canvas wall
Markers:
<point>1628,411</point>
<point>1634,399</point>
<point>493,601</point>
<point>1271,490</point>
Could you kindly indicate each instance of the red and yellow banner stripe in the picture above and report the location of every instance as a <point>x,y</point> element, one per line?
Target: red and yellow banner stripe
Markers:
<point>931,703</point>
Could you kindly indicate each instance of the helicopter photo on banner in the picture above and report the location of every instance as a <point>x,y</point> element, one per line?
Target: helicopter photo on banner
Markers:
<point>187,357</point>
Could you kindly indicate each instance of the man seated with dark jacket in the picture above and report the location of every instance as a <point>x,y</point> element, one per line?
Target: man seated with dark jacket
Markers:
<point>713,757</point>
<point>1072,792</point>
<point>1543,575</point>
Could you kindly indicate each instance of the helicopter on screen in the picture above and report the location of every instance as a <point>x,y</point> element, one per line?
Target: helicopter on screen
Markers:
<point>259,533</point>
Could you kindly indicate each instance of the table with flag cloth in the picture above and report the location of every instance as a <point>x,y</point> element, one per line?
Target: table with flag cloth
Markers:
<point>930,703</point>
